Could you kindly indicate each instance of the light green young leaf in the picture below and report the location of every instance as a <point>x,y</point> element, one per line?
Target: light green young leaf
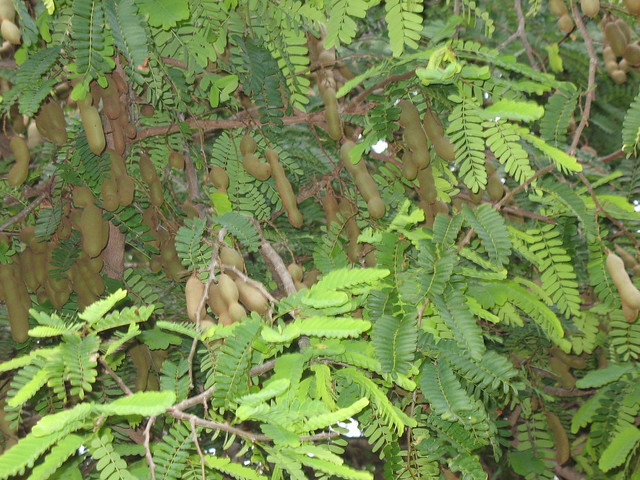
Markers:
<point>598,378</point>
<point>235,470</point>
<point>273,389</point>
<point>514,110</point>
<point>323,421</point>
<point>96,310</point>
<point>562,160</point>
<point>140,403</point>
<point>619,448</point>
<point>57,421</point>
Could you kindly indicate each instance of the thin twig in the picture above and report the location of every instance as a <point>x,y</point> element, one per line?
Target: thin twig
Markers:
<point>25,211</point>
<point>591,82</point>
<point>190,402</point>
<point>197,444</point>
<point>260,369</point>
<point>521,33</point>
<point>115,376</point>
<point>147,448</point>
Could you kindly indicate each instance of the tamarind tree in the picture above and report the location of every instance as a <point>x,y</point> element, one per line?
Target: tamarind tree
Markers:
<point>292,239</point>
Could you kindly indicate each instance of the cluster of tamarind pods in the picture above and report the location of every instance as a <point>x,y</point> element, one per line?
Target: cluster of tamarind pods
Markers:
<point>621,52</point>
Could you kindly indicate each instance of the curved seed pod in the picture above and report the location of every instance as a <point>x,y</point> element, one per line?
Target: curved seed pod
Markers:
<point>330,206</point>
<point>557,7</point>
<point>18,314</point>
<point>252,298</point>
<point>118,167</point>
<point>630,313</point>
<point>618,76</point>
<point>228,289</point>
<point>629,294</point>
<point>331,115</point>
<point>155,193</point>
<point>632,54</point>
<point>7,10</point>
<point>51,124</point>
<point>230,256</point>
<point>20,170</point>
<point>284,189</point>
<point>92,227</point>
<point>409,167</point>
<point>608,55</point>
<point>311,277</point>
<point>295,271</point>
<point>353,231</point>
<point>565,377</point>
<point>435,132</point>
<point>117,134</point>
<point>560,438</point>
<point>122,86</point>
<point>427,185</point>
<point>615,38</point>
<point>569,360</point>
<point>10,32</point>
<point>82,196</point>
<point>92,124</point>
<point>218,176</point>
<point>215,300</point>
<point>565,23</point>
<point>141,359</point>
<point>28,269</point>
<point>109,191</point>
<point>352,168</point>
<point>194,291</point>
<point>90,278</point>
<point>414,134</point>
<point>236,312</point>
<point>248,145</point>
<point>633,6</point>
<point>376,207</point>
<point>176,160</point>
<point>126,190</point>
<point>590,7</point>
<point>259,170</point>
<point>147,170</point>
<point>625,29</point>
<point>110,96</point>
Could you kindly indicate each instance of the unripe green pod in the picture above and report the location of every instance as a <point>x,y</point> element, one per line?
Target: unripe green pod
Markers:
<point>20,170</point>
<point>495,188</point>
<point>92,124</point>
<point>261,171</point>
<point>629,294</point>
<point>284,189</point>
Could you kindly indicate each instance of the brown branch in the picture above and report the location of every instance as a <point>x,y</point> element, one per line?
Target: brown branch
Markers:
<point>260,369</point>
<point>563,392</point>
<point>612,156</point>
<point>390,79</point>
<point>524,185</point>
<point>568,473</point>
<point>195,400</point>
<point>147,448</point>
<point>591,82</point>
<point>115,376</point>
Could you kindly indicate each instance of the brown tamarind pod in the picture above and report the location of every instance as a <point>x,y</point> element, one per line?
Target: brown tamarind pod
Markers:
<point>155,264</point>
<point>572,361</point>
<point>615,37</point>
<point>111,105</point>
<point>629,294</point>
<point>10,32</point>
<point>118,167</point>
<point>257,169</point>
<point>495,188</point>
<point>248,145</point>
<point>109,191</point>
<point>58,291</point>
<point>633,6</point>
<point>331,115</point>
<point>632,54</point>
<point>630,313</point>
<point>194,291</point>
<point>409,167</point>
<point>117,136</point>
<point>565,377</point>
<point>126,190</point>
<point>353,231</point>
<point>155,193</point>
<point>230,256</point>
<point>18,314</point>
<point>435,132</point>
<point>92,227</point>
<point>251,297</point>
<point>565,23</point>
<point>427,185</point>
<point>228,289</point>
<point>311,277</point>
<point>51,123</point>
<point>141,359</point>
<point>608,56</point>
<point>590,7</point>
<point>90,278</point>
<point>353,168</point>
<point>557,8</point>
<point>236,312</point>
<point>121,84</point>
<point>20,170</point>
<point>330,206</point>
<point>34,138</point>
<point>625,29</point>
<point>7,10</point>
<point>629,260</point>
<point>414,134</point>
<point>28,270</point>
<point>92,124</point>
<point>560,438</point>
<point>82,196</point>
<point>128,128</point>
<point>147,170</point>
<point>284,189</point>
<point>215,300</point>
<point>176,160</point>
<point>147,110</point>
<point>27,233</point>
<point>618,76</point>
<point>295,271</point>
<point>218,176</point>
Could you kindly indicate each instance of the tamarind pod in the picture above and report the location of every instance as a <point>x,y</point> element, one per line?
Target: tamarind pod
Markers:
<point>311,277</point>
<point>557,8</point>
<point>155,264</point>
<point>121,84</point>
<point>330,206</point>
<point>20,170</point>
<point>147,110</point>
<point>10,32</point>
<point>247,145</point>
<point>295,271</point>
<point>299,285</point>
<point>615,37</point>
<point>215,300</point>
<point>92,279</point>
<point>261,171</point>
<point>64,228</point>
<point>37,246</point>
<point>27,267</point>
<point>560,438</point>
<point>84,296</point>
<point>629,260</point>
<point>92,124</point>
<point>40,263</point>
<point>7,10</point>
<point>435,132</point>
<point>629,294</point>
<point>190,209</point>
<point>27,233</point>
<point>353,231</point>
<point>370,259</point>
<point>565,377</point>
<point>128,128</point>
<point>565,23</point>
<point>618,76</point>
<point>633,6</point>
<point>442,208</point>
<point>155,193</point>
<point>630,313</point>
<point>608,55</point>
<point>284,189</point>
<point>376,207</point>
<point>236,312</point>
<point>625,29</point>
<point>632,54</point>
<point>416,140</point>
<point>18,314</point>
<point>111,105</point>
<point>147,170</point>
<point>193,292</point>
<point>367,186</point>
<point>109,191</point>
<point>572,361</point>
<point>94,264</point>
<point>140,357</point>
<point>353,168</point>
<point>495,188</point>
<point>34,138</point>
<point>218,176</point>
<point>176,160</point>
<point>590,7</point>
<point>58,291</point>
<point>409,167</point>
<point>117,135</point>
<point>427,185</point>
<point>91,226</point>
<point>126,190</point>
<point>624,66</point>
<point>118,167</point>
<point>168,250</point>
<point>331,115</point>
<point>228,289</point>
<point>251,297</point>
<point>230,256</point>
